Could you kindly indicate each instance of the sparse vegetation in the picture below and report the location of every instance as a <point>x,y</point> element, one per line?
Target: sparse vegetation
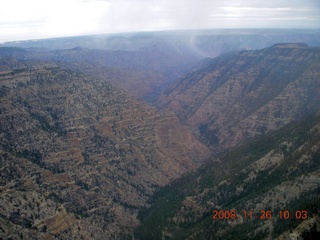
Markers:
<point>204,187</point>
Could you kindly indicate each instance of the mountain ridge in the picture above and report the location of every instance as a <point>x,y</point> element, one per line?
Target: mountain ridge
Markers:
<point>166,56</point>
<point>232,95</point>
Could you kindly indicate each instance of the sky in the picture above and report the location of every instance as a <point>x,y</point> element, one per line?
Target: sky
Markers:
<point>36,19</point>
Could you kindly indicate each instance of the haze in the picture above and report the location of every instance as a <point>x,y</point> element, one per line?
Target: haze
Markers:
<point>35,19</point>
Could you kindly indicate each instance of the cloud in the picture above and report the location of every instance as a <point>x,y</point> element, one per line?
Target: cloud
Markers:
<point>48,18</point>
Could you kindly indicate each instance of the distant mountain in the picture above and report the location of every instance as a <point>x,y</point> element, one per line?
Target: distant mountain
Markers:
<point>243,94</point>
<point>266,189</point>
<point>205,43</point>
<point>79,156</point>
<point>162,57</point>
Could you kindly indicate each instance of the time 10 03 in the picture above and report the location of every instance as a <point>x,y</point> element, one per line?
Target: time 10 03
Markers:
<point>263,214</point>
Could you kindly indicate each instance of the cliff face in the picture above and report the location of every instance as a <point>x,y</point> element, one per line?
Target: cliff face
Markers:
<point>244,94</point>
<point>79,156</point>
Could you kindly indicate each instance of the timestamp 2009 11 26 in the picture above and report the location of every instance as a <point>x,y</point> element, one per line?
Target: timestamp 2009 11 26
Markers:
<point>262,214</point>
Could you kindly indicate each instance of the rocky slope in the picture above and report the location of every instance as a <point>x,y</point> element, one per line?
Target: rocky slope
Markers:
<point>244,94</point>
<point>78,156</point>
<point>266,189</point>
<point>141,72</point>
<point>143,84</point>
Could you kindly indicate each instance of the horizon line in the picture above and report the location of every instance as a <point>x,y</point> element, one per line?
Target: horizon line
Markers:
<point>155,31</point>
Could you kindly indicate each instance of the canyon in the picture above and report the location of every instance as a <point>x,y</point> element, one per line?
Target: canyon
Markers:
<point>144,135</point>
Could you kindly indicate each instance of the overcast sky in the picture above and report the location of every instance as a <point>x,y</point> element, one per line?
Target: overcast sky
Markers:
<point>34,19</point>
